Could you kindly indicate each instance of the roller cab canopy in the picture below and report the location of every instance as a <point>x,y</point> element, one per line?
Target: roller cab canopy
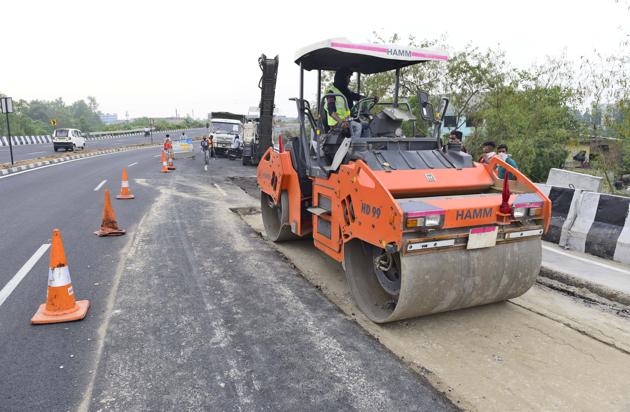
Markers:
<point>335,54</point>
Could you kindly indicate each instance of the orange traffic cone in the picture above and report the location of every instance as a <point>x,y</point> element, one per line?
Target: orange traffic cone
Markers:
<point>171,158</point>
<point>125,193</point>
<point>164,165</point>
<point>109,227</point>
<point>61,304</point>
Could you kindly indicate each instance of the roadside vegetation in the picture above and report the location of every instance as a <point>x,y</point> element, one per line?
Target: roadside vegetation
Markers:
<point>33,118</point>
<point>539,112</point>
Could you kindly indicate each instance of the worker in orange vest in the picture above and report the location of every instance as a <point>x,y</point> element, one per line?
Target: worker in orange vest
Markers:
<point>168,146</point>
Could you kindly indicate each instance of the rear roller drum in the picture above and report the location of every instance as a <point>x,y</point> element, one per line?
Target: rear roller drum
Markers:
<point>388,287</point>
<point>276,217</point>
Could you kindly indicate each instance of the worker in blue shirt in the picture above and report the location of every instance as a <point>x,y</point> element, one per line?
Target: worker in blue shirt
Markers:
<point>502,153</point>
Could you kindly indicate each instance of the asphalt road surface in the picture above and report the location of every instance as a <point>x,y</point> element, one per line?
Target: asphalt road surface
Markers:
<point>190,310</point>
<point>33,151</point>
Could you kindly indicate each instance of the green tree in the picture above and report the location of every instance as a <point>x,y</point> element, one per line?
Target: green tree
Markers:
<point>33,117</point>
<point>535,122</point>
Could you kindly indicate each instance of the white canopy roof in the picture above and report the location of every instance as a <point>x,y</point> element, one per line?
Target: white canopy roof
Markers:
<point>335,54</point>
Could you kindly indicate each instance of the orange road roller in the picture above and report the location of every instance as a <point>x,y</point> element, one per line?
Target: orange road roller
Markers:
<point>419,227</point>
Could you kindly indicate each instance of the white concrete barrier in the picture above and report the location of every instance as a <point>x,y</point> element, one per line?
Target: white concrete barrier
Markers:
<point>574,180</point>
<point>24,140</point>
<point>602,226</point>
<point>564,205</point>
<point>584,219</point>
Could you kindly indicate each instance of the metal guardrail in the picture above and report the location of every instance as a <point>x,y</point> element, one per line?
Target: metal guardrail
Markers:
<point>115,132</point>
<point>133,132</point>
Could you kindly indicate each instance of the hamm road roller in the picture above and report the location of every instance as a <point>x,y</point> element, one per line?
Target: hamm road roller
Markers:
<point>419,227</point>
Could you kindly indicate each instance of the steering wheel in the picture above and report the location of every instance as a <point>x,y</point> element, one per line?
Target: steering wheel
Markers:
<point>362,108</point>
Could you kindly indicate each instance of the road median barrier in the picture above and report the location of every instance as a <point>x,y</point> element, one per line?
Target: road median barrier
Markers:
<point>25,140</point>
<point>564,202</point>
<point>5,168</point>
<point>589,222</point>
<point>601,227</point>
<point>574,180</point>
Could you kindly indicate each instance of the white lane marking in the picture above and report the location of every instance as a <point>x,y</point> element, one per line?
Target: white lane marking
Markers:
<point>37,152</point>
<point>97,188</point>
<point>133,164</point>
<point>66,162</point>
<point>586,260</point>
<point>21,274</point>
<point>220,190</point>
<point>157,155</point>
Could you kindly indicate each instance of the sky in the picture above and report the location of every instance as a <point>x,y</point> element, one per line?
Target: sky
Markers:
<point>151,58</point>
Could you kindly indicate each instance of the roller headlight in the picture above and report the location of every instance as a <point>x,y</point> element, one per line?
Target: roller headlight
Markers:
<point>519,212</point>
<point>432,220</point>
<point>427,221</point>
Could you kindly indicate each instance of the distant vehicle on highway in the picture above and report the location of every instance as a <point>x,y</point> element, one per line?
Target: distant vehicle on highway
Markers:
<point>68,139</point>
<point>224,127</point>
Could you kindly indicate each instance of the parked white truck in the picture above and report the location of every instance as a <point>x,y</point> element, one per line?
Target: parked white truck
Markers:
<point>224,127</point>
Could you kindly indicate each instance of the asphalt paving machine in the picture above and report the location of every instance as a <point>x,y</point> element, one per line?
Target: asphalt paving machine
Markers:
<point>418,226</point>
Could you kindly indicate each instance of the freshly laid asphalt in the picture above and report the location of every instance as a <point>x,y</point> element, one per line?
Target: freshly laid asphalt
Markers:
<point>190,310</point>
<point>33,151</point>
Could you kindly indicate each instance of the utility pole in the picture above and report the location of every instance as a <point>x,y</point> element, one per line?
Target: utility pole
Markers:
<point>6,106</point>
<point>151,122</point>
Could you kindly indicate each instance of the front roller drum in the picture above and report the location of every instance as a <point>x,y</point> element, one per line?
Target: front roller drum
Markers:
<point>393,287</point>
<point>276,217</point>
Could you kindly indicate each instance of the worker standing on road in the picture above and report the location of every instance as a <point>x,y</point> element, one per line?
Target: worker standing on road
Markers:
<point>235,149</point>
<point>168,146</point>
<point>236,143</point>
<point>337,108</point>
<point>204,149</point>
<point>211,145</point>
<point>502,153</point>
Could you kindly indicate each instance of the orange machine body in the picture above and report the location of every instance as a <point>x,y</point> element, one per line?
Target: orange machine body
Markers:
<point>376,206</point>
<point>275,174</point>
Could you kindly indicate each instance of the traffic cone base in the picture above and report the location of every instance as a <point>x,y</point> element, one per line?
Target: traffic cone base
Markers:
<point>79,311</point>
<point>130,196</point>
<point>109,225</point>
<point>109,232</point>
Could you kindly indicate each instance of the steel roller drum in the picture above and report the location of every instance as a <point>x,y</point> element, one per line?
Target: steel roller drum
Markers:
<point>443,280</point>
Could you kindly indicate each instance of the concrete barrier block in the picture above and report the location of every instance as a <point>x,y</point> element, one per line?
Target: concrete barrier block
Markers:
<point>566,178</point>
<point>602,226</point>
<point>564,205</point>
<point>622,251</point>
<point>585,216</point>
<point>545,188</point>
<point>571,216</point>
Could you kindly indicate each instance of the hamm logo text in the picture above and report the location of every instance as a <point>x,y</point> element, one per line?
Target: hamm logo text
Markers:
<point>474,213</point>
